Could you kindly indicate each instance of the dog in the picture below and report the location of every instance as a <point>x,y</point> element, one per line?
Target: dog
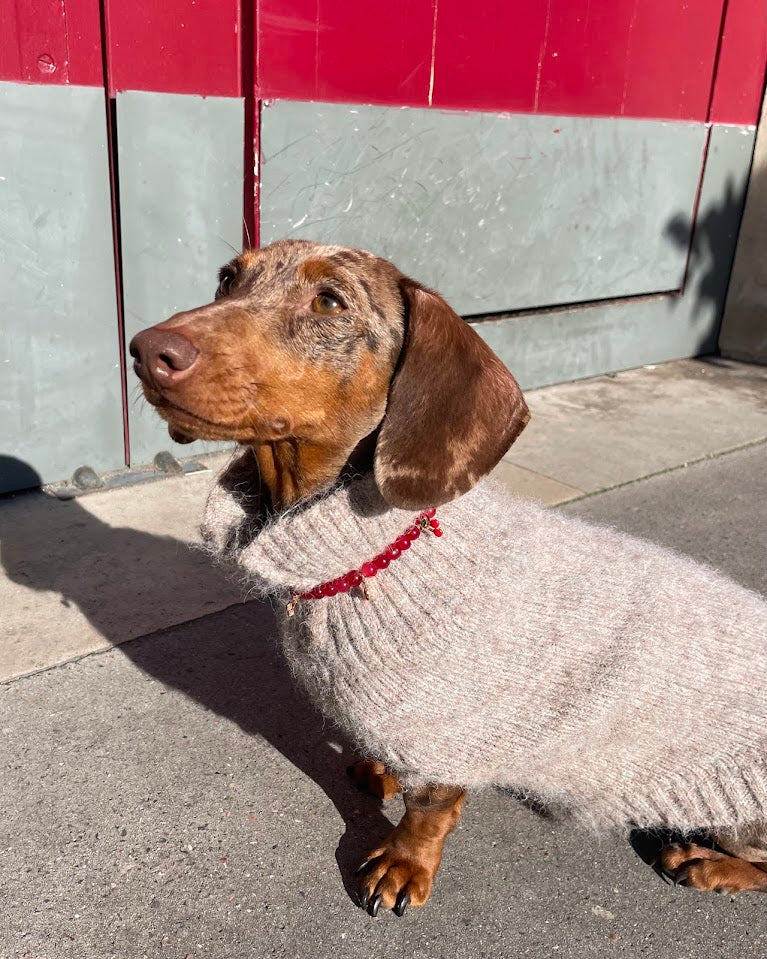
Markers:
<point>507,652</point>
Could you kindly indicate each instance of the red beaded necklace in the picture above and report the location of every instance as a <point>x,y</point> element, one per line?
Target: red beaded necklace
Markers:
<point>425,522</point>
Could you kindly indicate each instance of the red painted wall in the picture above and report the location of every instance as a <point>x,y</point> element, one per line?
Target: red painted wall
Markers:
<point>737,94</point>
<point>344,50</point>
<point>635,58</point>
<point>175,46</point>
<point>51,41</point>
<point>676,59</point>
<point>585,57</point>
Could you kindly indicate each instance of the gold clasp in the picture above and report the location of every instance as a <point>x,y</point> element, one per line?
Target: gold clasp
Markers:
<point>291,607</point>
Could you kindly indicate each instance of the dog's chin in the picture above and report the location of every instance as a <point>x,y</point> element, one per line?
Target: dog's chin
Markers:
<point>178,436</point>
<point>188,430</point>
<point>186,427</point>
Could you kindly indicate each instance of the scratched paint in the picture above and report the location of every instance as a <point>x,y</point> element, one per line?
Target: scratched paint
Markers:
<point>568,344</point>
<point>497,212</point>
<point>433,63</point>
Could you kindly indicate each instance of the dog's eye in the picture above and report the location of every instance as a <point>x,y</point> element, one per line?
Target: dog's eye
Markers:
<point>327,304</point>
<point>225,280</point>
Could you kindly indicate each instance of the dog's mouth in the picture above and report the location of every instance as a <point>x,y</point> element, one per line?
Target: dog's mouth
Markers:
<point>184,426</point>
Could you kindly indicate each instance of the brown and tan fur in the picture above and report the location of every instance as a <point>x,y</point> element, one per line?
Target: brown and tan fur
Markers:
<point>387,378</point>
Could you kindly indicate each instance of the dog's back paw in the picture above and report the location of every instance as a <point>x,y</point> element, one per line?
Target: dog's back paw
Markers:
<point>700,867</point>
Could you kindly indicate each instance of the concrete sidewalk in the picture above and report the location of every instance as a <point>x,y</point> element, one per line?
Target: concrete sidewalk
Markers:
<point>174,797</point>
<point>91,573</point>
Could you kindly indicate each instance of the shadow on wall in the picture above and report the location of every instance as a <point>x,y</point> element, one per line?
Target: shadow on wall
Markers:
<point>710,241</point>
<point>228,662</point>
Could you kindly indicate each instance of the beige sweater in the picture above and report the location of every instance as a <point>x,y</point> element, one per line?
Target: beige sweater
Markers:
<point>524,648</point>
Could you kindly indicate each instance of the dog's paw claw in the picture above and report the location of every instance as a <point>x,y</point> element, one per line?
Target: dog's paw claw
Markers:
<point>401,904</point>
<point>394,880</point>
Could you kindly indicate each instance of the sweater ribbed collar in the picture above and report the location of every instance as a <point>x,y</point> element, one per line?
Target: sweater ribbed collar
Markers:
<point>311,543</point>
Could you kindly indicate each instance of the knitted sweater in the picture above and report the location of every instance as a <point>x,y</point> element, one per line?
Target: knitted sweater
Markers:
<point>524,648</point>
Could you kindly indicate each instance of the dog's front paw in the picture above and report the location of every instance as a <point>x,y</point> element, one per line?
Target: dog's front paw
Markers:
<point>398,874</point>
<point>699,867</point>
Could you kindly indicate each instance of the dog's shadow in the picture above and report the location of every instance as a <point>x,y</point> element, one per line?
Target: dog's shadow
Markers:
<point>228,662</point>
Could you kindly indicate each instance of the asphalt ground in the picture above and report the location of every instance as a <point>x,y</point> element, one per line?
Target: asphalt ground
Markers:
<point>174,796</point>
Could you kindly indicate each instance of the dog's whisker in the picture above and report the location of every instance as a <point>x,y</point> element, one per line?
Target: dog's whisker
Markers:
<point>232,248</point>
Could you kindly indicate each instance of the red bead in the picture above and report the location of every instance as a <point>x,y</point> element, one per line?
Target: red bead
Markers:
<point>429,513</point>
<point>393,551</point>
<point>355,577</point>
<point>434,523</point>
<point>402,542</point>
<point>329,589</point>
<point>381,561</point>
<point>368,569</point>
<point>413,532</point>
<point>317,593</point>
<point>437,532</point>
<point>343,584</point>
<point>305,596</point>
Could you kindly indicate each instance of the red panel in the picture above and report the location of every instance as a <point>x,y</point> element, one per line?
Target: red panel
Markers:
<point>641,58</point>
<point>588,57</point>
<point>740,73</point>
<point>84,39</point>
<point>489,58</point>
<point>174,46</point>
<point>670,59</point>
<point>10,51</point>
<point>345,50</point>
<point>51,41</point>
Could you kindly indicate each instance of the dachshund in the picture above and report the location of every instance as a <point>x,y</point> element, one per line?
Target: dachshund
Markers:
<point>298,358</point>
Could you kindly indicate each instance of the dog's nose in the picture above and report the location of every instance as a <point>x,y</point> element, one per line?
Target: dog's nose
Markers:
<point>162,356</point>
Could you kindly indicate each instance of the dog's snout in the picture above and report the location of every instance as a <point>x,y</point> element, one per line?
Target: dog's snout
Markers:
<point>162,356</point>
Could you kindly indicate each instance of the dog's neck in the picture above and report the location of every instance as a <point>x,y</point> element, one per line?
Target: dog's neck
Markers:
<point>293,470</point>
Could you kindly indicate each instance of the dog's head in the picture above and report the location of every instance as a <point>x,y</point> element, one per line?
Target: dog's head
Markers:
<point>320,347</point>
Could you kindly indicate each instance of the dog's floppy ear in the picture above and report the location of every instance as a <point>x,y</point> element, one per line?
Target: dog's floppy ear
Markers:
<point>453,409</point>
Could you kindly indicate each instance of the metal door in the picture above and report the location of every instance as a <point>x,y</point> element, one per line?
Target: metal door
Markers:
<point>569,173</point>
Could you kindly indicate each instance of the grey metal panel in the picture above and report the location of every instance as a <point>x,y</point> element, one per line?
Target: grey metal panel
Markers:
<point>181,217</point>
<point>60,392</point>
<point>543,348</point>
<point>497,212</point>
